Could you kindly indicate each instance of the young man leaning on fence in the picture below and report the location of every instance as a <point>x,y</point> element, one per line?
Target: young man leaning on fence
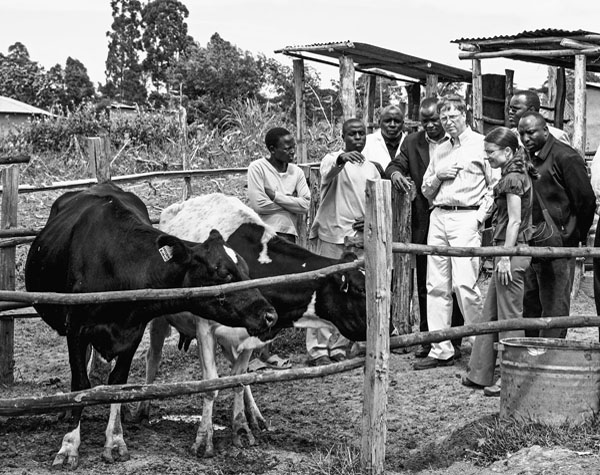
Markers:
<point>565,191</point>
<point>278,192</point>
<point>341,213</point>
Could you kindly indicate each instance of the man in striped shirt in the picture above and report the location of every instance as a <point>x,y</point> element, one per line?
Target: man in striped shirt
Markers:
<point>458,183</point>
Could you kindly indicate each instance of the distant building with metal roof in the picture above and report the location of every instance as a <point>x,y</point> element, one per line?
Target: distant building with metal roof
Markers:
<point>14,113</point>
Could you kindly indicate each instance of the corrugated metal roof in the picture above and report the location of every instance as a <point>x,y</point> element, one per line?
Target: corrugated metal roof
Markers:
<point>552,47</point>
<point>542,33</point>
<point>368,58</point>
<point>12,106</point>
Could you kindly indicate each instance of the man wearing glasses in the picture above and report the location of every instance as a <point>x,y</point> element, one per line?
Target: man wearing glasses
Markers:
<point>458,183</point>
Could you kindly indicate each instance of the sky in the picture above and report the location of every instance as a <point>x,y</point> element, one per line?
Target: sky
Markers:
<point>53,30</point>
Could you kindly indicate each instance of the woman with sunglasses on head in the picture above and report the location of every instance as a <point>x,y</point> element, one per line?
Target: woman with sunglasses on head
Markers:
<point>513,196</point>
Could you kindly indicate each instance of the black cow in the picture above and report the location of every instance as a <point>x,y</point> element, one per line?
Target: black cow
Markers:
<point>338,298</point>
<point>101,239</point>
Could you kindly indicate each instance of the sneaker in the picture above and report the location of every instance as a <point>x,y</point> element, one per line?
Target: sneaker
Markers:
<point>493,390</point>
<point>429,363</point>
<point>320,361</point>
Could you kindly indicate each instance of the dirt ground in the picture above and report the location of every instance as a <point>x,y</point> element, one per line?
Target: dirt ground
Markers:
<point>429,423</point>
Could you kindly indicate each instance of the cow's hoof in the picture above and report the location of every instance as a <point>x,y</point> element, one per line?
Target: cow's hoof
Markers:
<point>122,455</point>
<point>61,461</point>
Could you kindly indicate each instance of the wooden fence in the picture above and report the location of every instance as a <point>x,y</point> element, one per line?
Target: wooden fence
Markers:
<point>378,265</point>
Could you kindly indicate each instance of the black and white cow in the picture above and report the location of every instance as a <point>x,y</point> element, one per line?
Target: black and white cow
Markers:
<point>337,299</point>
<point>101,239</point>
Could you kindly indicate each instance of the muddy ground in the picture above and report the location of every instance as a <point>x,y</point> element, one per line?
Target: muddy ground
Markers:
<point>431,417</point>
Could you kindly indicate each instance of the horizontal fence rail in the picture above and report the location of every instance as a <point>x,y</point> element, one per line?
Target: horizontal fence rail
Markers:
<point>139,392</point>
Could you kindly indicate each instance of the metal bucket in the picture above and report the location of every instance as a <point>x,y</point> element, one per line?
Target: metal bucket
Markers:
<point>549,380</point>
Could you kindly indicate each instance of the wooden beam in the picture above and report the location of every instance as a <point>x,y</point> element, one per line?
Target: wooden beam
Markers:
<point>299,87</point>
<point>378,267</point>
<point>477,97</point>
<point>509,75</point>
<point>526,41</point>
<point>370,102</point>
<point>579,111</point>
<point>431,84</point>
<point>14,159</point>
<point>507,53</point>
<point>347,88</point>
<point>8,219</point>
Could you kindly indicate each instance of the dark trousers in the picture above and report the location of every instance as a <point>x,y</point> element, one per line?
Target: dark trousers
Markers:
<point>457,316</point>
<point>597,271</point>
<point>548,284</point>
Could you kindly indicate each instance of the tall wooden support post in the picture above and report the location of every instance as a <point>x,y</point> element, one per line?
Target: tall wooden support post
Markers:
<point>561,97</point>
<point>347,88</point>
<point>509,88</point>
<point>314,184</point>
<point>580,105</point>
<point>8,219</point>
<point>378,258</point>
<point>370,103</point>
<point>403,263</point>
<point>301,145</point>
<point>414,101</point>
<point>431,85</point>
<point>185,158</point>
<point>99,158</point>
<point>477,97</point>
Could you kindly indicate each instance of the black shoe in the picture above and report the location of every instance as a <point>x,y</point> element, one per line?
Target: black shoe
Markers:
<point>468,383</point>
<point>429,363</point>
<point>320,361</point>
<point>422,351</point>
<point>457,353</point>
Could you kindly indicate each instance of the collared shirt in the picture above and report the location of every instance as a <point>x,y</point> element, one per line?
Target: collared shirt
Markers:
<point>473,183</point>
<point>433,144</point>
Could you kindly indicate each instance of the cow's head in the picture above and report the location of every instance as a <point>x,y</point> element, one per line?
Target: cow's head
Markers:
<point>214,263</point>
<point>343,302</point>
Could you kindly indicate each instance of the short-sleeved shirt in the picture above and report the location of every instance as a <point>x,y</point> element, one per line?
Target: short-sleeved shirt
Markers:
<point>515,181</point>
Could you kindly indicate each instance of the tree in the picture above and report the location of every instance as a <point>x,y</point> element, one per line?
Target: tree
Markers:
<point>78,86</point>
<point>124,78</point>
<point>20,77</point>
<point>164,38</point>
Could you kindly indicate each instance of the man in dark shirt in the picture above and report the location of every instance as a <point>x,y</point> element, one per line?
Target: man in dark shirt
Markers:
<point>406,173</point>
<point>566,192</point>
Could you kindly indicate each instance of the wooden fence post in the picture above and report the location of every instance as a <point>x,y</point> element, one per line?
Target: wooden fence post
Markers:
<point>301,145</point>
<point>477,97</point>
<point>403,263</point>
<point>185,159</point>
<point>369,109</point>
<point>99,158</point>
<point>347,87</point>
<point>378,266</point>
<point>8,219</point>
<point>314,183</point>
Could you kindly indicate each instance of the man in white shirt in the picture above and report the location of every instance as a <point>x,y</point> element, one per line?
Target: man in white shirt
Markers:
<point>458,183</point>
<point>595,177</point>
<point>344,176</point>
<point>384,144</point>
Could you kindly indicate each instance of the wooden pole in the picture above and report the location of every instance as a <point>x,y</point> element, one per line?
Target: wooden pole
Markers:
<point>370,103</point>
<point>314,183</point>
<point>414,101</point>
<point>301,145</point>
<point>509,75</point>
<point>14,159</point>
<point>347,88</point>
<point>561,96</point>
<point>580,105</point>
<point>431,85</point>
<point>477,97</point>
<point>378,254</point>
<point>185,159</point>
<point>99,158</point>
<point>402,263</point>
<point>8,219</point>
<point>302,220</point>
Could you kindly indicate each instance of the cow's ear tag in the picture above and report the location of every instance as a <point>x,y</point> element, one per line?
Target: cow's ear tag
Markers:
<point>344,286</point>
<point>166,252</point>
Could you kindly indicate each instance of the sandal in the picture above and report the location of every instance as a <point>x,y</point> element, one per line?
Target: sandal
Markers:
<point>256,365</point>
<point>277,362</point>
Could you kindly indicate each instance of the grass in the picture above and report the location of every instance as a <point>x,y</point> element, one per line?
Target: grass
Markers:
<point>341,459</point>
<point>496,439</point>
